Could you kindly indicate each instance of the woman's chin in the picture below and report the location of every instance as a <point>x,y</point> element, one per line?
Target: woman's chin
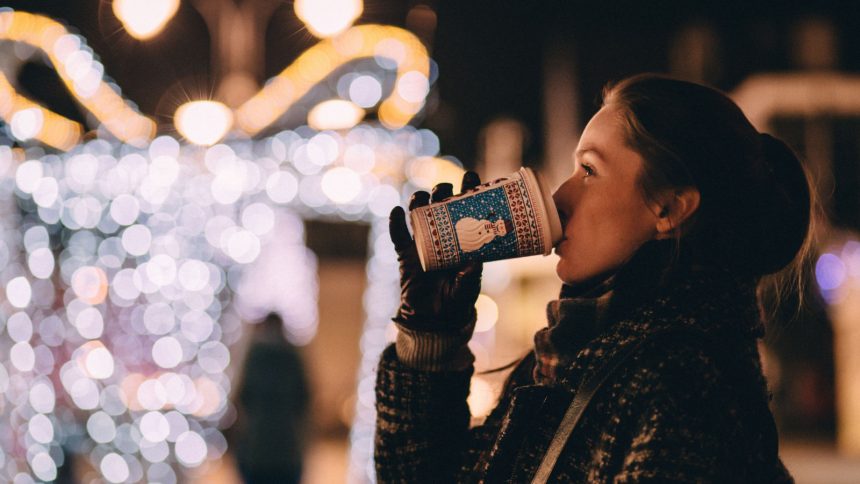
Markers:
<point>562,272</point>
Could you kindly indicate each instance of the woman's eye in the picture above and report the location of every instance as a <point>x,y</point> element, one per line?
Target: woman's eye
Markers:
<point>589,171</point>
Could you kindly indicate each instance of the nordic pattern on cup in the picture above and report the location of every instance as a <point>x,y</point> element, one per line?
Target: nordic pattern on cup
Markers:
<point>528,221</point>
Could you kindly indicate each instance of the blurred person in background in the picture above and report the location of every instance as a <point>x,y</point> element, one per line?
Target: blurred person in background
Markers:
<point>270,434</point>
<point>677,213</point>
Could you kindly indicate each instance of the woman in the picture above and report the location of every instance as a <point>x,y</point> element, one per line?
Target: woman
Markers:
<point>675,210</point>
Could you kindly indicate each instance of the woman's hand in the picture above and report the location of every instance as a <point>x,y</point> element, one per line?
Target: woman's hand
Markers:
<point>441,300</point>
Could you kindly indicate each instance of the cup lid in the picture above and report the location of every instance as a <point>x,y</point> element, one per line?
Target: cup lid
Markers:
<point>548,205</point>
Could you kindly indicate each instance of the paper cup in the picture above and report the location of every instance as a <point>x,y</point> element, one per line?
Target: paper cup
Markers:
<point>506,218</point>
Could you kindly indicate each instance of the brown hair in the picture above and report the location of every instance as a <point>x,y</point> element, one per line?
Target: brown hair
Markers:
<point>757,211</point>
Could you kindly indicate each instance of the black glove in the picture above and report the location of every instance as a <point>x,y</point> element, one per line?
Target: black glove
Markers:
<point>441,300</point>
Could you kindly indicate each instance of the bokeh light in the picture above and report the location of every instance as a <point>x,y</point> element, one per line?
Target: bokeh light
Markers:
<point>335,114</point>
<point>203,122</point>
<point>488,313</point>
<point>830,274</point>
<point>27,123</point>
<point>81,73</point>
<point>341,184</point>
<point>128,267</point>
<point>365,91</point>
<point>156,262</point>
<point>481,397</point>
<point>393,48</point>
<point>143,19</point>
<point>19,292</point>
<point>325,18</point>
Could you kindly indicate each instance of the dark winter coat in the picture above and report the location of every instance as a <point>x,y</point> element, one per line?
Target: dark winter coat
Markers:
<point>687,406</point>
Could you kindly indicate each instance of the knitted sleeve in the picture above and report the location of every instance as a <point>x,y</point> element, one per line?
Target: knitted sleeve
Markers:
<point>422,427</point>
<point>435,350</point>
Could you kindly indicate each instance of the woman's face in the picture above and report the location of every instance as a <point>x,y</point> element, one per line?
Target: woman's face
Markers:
<point>604,216</point>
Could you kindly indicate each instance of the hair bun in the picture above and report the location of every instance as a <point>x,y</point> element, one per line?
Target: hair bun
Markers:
<point>784,204</point>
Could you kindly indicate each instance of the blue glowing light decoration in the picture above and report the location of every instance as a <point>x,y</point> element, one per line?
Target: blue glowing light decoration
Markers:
<point>829,272</point>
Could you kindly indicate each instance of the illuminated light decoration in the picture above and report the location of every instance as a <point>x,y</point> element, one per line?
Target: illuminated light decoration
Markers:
<point>341,184</point>
<point>53,130</point>
<point>326,18</point>
<point>837,274</point>
<point>482,398</point>
<point>176,255</point>
<point>26,123</point>
<point>160,268</point>
<point>335,114</point>
<point>391,46</point>
<point>203,122</point>
<point>830,274</point>
<point>82,75</point>
<point>365,91</point>
<point>90,284</point>
<point>426,171</point>
<point>488,313</point>
<point>143,19</point>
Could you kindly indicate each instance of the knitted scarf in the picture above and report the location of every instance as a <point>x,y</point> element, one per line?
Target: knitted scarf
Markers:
<point>571,323</point>
<point>582,312</point>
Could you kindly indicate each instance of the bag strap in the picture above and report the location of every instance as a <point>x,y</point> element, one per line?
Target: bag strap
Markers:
<point>580,402</point>
<point>590,386</point>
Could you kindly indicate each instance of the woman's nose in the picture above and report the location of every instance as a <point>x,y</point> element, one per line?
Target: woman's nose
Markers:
<point>563,198</point>
<point>564,193</point>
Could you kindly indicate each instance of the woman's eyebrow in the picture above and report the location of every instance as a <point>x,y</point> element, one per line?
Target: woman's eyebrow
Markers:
<point>583,151</point>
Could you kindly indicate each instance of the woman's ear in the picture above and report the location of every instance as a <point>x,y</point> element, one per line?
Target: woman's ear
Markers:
<point>675,209</point>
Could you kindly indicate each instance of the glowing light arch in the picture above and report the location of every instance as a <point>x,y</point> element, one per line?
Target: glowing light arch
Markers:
<point>82,76</point>
<point>55,131</point>
<point>398,45</point>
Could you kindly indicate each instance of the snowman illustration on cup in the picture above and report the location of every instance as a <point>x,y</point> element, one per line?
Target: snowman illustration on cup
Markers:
<point>474,234</point>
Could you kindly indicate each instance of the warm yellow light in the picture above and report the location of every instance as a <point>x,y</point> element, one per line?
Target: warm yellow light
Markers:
<point>28,120</point>
<point>488,313</point>
<point>208,397</point>
<point>335,114</point>
<point>83,77</point>
<point>143,19</point>
<point>326,18</point>
<point>426,171</point>
<point>481,397</point>
<point>203,122</point>
<point>391,45</point>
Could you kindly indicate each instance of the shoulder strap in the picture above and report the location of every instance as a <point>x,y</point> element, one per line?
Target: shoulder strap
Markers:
<point>580,402</point>
<point>590,386</point>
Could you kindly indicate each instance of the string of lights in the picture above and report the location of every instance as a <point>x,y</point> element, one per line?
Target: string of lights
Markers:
<point>81,73</point>
<point>130,263</point>
<point>124,288</point>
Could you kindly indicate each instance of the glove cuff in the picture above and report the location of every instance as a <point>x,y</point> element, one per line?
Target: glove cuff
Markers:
<point>435,351</point>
